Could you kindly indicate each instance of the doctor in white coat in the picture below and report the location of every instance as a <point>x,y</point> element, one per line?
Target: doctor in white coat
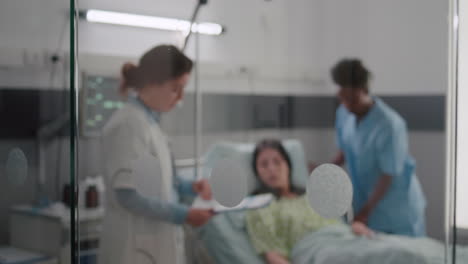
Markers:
<point>143,213</point>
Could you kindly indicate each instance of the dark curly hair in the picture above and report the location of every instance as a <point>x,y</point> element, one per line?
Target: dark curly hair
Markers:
<point>351,73</point>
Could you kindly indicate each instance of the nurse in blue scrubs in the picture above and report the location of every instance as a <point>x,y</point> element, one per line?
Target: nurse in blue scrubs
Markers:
<point>373,142</point>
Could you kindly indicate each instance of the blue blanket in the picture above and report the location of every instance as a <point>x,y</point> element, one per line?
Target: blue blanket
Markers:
<point>226,239</point>
<point>338,245</point>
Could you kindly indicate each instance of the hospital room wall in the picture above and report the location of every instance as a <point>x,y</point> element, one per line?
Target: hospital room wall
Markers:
<point>404,43</point>
<point>291,40</point>
<point>268,33</point>
<point>297,40</point>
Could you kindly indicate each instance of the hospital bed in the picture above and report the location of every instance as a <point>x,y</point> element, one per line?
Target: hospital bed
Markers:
<point>226,241</point>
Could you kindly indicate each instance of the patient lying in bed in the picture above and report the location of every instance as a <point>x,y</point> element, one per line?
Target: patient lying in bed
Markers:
<point>275,229</point>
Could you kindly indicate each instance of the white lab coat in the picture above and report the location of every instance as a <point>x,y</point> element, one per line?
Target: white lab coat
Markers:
<point>130,139</point>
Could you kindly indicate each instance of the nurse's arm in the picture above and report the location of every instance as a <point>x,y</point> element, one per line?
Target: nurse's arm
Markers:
<point>381,188</point>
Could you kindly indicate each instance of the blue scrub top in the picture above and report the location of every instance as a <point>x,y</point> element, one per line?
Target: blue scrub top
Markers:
<point>378,145</point>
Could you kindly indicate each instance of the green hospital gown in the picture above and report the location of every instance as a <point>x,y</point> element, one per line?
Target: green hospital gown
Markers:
<point>279,226</point>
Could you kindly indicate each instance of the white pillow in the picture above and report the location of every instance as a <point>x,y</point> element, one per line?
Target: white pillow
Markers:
<point>242,152</point>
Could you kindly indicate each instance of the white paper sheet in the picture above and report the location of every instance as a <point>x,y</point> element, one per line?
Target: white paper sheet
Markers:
<point>251,202</point>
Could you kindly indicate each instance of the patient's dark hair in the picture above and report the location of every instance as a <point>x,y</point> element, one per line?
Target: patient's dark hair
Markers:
<point>351,73</point>
<point>276,145</point>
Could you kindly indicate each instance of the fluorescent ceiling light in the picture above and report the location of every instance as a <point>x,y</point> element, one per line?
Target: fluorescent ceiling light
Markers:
<point>126,19</point>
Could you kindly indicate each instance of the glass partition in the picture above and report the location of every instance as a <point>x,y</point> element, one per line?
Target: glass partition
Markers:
<point>35,152</point>
<point>175,129</point>
<point>270,76</point>
<point>458,218</point>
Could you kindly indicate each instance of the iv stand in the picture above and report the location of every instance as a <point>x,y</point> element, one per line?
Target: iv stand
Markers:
<point>192,20</point>
<point>198,103</point>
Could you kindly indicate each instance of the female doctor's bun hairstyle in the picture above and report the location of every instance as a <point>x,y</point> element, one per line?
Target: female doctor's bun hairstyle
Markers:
<point>157,66</point>
<point>128,78</point>
<point>351,73</point>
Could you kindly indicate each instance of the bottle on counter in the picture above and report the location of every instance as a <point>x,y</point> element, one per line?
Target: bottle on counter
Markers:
<point>92,197</point>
